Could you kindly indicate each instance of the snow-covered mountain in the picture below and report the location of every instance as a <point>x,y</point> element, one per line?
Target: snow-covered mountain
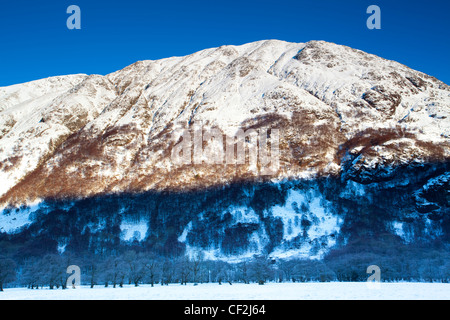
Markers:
<point>370,125</point>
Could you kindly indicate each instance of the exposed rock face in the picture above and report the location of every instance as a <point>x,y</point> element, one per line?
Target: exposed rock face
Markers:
<point>355,130</point>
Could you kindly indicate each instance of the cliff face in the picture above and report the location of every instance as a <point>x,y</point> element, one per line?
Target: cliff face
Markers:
<point>87,161</point>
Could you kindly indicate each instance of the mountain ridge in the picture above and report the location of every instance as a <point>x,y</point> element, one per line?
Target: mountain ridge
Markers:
<point>336,95</point>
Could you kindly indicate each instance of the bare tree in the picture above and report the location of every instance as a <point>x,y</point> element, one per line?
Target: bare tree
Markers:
<point>183,270</point>
<point>260,269</point>
<point>152,270</point>
<point>195,266</point>
<point>136,267</point>
<point>287,268</point>
<point>243,272</point>
<point>92,272</point>
<point>117,271</point>
<point>7,271</point>
<point>224,272</point>
<point>53,270</point>
<point>167,272</point>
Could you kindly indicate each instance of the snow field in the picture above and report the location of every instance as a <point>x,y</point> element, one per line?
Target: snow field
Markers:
<point>240,291</point>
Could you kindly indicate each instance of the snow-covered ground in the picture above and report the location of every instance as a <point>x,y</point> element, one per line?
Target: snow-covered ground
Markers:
<point>239,291</point>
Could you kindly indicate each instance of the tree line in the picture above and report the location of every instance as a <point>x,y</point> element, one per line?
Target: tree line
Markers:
<point>136,268</point>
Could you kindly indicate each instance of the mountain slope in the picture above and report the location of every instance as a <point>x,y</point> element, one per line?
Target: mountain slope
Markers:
<point>86,161</point>
<point>91,135</point>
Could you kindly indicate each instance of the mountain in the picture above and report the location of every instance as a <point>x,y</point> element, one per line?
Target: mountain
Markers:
<point>87,160</point>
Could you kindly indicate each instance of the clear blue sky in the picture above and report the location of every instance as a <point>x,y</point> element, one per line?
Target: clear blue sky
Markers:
<point>35,42</point>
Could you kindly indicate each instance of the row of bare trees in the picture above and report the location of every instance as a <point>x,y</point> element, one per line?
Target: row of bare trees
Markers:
<point>132,268</point>
<point>136,268</point>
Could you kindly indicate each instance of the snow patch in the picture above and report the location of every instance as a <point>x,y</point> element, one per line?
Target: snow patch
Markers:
<point>398,229</point>
<point>133,230</point>
<point>300,207</point>
<point>12,220</point>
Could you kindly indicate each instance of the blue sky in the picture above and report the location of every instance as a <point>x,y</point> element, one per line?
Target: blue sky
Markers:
<point>35,42</point>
